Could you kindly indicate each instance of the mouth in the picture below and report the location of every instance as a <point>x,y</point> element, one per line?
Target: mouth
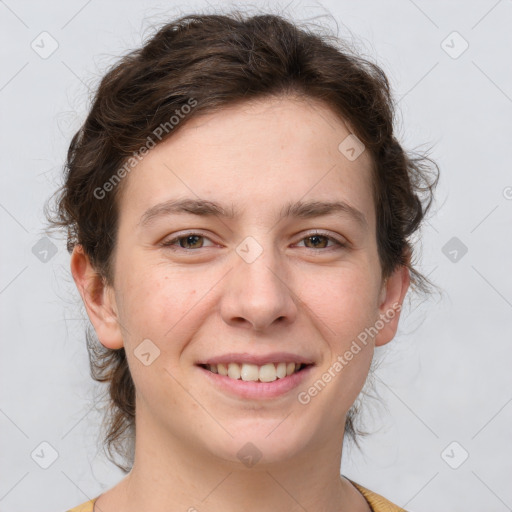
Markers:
<point>250,377</point>
<point>249,372</point>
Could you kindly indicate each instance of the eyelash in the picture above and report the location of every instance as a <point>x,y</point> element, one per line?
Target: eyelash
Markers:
<point>338,245</point>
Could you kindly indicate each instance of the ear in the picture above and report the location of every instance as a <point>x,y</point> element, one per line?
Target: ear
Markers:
<point>391,299</point>
<point>98,298</point>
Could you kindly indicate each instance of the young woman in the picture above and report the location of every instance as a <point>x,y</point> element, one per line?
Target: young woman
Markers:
<point>239,214</point>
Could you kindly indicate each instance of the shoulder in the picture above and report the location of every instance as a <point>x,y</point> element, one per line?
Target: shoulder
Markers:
<point>88,506</point>
<point>376,501</point>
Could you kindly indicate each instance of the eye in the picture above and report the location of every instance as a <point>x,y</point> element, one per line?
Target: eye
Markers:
<point>186,242</point>
<point>191,241</point>
<point>320,240</point>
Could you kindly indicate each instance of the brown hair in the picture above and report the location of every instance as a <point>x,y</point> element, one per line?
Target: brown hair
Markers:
<point>215,61</point>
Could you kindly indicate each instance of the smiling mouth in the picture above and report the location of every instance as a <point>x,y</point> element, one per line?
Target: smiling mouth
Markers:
<point>251,372</point>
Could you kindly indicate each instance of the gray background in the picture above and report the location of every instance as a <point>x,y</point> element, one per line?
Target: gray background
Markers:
<point>445,378</point>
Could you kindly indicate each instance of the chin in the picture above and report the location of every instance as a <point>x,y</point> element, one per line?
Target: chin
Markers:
<point>261,444</point>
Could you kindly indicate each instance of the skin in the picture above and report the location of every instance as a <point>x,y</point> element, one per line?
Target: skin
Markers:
<point>306,298</point>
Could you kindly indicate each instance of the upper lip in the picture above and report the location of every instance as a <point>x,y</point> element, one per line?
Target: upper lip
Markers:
<point>259,360</point>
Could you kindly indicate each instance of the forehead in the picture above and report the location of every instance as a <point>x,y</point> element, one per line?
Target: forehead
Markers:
<point>255,155</point>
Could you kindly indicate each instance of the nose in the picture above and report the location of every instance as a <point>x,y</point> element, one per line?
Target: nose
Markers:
<point>258,295</point>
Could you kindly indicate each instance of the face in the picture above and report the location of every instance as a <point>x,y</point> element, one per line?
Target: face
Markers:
<point>248,237</point>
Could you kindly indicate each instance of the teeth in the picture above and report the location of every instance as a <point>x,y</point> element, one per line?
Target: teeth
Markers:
<point>250,372</point>
<point>234,370</point>
<point>268,373</point>
<point>281,370</point>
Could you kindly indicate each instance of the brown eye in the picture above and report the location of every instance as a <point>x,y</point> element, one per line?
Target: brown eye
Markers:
<point>321,241</point>
<point>317,241</point>
<point>187,242</point>
<point>191,241</point>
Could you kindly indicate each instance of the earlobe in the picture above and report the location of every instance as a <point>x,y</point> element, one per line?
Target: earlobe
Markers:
<point>391,299</point>
<point>98,299</point>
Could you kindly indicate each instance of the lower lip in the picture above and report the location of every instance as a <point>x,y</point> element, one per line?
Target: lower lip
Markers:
<point>256,389</point>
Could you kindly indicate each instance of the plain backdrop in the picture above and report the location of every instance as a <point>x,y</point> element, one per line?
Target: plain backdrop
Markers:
<point>442,436</point>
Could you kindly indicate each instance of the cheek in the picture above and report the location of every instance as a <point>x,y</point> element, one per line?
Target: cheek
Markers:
<point>161,303</point>
<point>343,300</point>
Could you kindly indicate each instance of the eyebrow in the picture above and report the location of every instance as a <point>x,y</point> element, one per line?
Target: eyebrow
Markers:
<point>204,208</point>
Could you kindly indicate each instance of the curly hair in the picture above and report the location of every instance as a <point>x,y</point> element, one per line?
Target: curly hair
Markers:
<point>212,61</point>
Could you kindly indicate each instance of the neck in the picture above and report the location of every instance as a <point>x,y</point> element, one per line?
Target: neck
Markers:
<point>171,476</point>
